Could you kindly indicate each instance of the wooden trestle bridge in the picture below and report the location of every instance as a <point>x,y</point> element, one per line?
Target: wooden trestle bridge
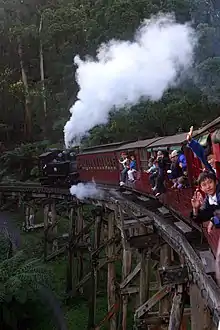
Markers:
<point>167,275</point>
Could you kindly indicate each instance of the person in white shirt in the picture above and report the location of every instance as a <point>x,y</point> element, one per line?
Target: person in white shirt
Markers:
<point>125,163</point>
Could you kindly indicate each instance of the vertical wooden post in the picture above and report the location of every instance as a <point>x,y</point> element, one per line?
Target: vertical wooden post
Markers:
<point>46,210</point>
<point>69,279</point>
<point>94,273</point>
<point>97,239</point>
<point>27,217</point>
<point>31,217</point>
<point>144,276</point>
<point>126,264</point>
<point>54,230</point>
<point>126,268</point>
<point>111,271</point>
<point>79,227</point>
<point>176,314</point>
<point>200,314</point>
<point>165,261</point>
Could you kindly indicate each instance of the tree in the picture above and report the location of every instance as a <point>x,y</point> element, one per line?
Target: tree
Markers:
<point>40,38</point>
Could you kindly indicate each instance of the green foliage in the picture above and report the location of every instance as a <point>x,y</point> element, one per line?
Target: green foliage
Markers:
<point>23,160</point>
<point>78,27</point>
<point>20,283</point>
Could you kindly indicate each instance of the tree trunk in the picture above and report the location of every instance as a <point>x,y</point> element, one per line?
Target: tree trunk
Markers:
<point>42,77</point>
<point>28,121</point>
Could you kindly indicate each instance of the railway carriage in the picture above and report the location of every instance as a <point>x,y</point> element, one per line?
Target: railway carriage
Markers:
<point>101,164</point>
<point>207,133</point>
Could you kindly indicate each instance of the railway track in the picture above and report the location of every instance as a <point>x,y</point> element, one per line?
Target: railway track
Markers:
<point>185,238</point>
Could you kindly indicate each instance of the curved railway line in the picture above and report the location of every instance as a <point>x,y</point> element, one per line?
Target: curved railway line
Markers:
<point>153,234</point>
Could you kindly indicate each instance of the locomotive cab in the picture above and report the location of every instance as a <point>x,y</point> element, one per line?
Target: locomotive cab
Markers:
<point>44,160</point>
<point>58,167</point>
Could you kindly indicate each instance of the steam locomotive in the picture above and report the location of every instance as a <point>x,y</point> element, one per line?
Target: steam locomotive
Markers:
<point>59,167</point>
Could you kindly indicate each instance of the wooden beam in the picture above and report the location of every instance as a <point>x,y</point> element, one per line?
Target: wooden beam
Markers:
<point>177,309</point>
<point>152,301</point>
<point>144,276</point>
<point>130,276</point>
<point>200,314</point>
<point>181,245</point>
<point>135,289</point>
<point>88,275</point>
<point>46,210</point>
<point>111,272</point>
<point>94,273</point>
<point>165,260</point>
<point>54,225</point>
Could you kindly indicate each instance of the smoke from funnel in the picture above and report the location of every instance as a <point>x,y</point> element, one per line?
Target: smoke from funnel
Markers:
<point>125,72</point>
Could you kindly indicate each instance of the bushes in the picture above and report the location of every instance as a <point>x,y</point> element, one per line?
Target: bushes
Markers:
<point>25,292</point>
<point>21,163</point>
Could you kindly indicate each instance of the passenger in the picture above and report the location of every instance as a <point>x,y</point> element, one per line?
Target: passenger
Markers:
<point>125,164</point>
<point>211,161</point>
<point>180,160</point>
<point>160,188</point>
<point>132,170</point>
<point>153,171</point>
<point>175,171</point>
<point>208,208</point>
<point>182,182</point>
<point>199,151</point>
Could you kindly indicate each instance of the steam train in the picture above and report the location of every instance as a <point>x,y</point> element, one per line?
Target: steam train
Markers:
<point>101,163</point>
<point>58,167</point>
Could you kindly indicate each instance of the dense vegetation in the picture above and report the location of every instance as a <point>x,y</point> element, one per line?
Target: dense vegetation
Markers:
<point>37,86</point>
<point>25,289</point>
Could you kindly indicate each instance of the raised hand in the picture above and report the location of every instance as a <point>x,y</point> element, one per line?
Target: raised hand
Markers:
<point>197,200</point>
<point>189,135</point>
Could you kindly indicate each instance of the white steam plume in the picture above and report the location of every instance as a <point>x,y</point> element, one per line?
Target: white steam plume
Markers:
<point>125,71</point>
<point>87,190</point>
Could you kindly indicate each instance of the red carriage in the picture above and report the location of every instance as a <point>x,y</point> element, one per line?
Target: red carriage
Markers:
<point>101,163</point>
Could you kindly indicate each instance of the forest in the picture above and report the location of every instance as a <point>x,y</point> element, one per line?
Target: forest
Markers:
<point>39,40</point>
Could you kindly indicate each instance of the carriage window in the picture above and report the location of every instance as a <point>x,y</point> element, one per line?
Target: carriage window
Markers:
<point>114,163</point>
<point>86,167</point>
<point>102,163</point>
<point>79,163</point>
<point>108,163</point>
<point>111,164</point>
<point>105,163</point>
<point>143,159</point>
<point>97,163</point>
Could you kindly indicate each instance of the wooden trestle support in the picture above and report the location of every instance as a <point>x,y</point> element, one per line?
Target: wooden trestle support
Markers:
<point>157,283</point>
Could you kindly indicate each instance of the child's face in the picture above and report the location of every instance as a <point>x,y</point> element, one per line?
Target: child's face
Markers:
<point>208,186</point>
<point>132,157</point>
<point>211,160</point>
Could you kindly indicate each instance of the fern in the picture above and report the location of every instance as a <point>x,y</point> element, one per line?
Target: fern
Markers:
<point>24,286</point>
